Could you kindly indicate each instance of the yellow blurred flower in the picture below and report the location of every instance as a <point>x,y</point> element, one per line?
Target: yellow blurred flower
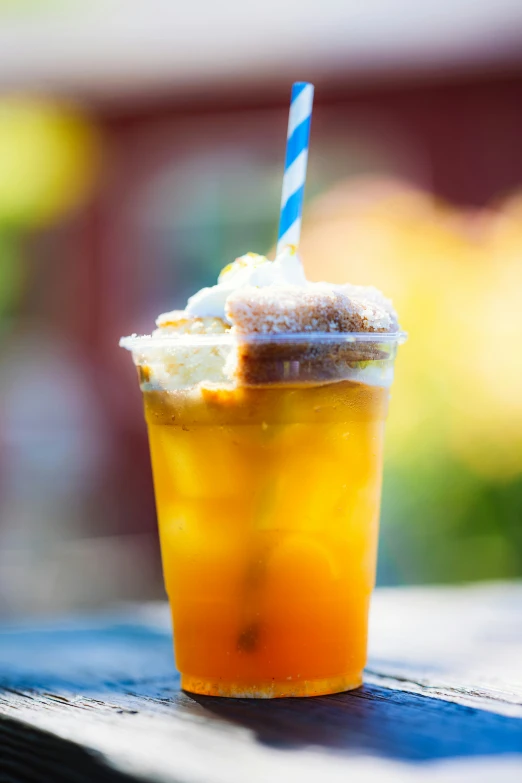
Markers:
<point>49,156</point>
<point>455,278</point>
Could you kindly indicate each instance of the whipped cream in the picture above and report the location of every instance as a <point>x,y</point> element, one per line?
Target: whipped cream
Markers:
<point>248,270</point>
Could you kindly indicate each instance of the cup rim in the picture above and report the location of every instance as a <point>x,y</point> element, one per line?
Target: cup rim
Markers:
<point>135,342</point>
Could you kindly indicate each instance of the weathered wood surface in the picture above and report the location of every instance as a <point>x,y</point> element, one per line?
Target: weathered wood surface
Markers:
<point>97,699</point>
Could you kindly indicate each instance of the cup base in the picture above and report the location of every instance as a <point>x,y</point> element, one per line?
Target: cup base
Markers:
<point>272,689</point>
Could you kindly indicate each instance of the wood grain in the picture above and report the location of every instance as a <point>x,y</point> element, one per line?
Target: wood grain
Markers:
<point>98,699</point>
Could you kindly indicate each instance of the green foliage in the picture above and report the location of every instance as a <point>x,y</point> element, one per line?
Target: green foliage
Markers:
<point>443,523</point>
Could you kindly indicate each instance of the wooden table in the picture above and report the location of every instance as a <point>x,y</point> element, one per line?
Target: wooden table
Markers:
<point>97,699</point>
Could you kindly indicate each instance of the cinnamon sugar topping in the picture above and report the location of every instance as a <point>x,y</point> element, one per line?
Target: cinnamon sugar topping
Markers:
<point>317,308</point>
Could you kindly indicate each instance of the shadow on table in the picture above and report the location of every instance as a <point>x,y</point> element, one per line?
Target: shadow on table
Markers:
<point>373,720</point>
<point>113,659</point>
<point>36,756</point>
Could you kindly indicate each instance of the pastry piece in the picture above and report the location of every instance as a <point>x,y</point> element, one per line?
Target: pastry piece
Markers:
<point>178,364</point>
<point>316,308</point>
<point>290,311</point>
<point>178,322</point>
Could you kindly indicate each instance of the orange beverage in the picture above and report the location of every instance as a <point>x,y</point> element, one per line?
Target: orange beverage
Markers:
<point>268,505</point>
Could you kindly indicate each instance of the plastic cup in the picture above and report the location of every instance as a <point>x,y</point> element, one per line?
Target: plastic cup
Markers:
<point>268,495</point>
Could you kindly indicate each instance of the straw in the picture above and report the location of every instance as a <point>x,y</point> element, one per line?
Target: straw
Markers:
<point>294,178</point>
<point>289,232</point>
<point>299,122</point>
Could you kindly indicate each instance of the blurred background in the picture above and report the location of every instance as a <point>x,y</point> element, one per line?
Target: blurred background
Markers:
<point>142,149</point>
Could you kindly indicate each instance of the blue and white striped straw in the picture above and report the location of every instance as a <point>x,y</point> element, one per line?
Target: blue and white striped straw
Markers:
<point>294,179</point>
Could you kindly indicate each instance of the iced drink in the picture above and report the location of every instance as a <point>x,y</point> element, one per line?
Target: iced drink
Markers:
<point>265,402</point>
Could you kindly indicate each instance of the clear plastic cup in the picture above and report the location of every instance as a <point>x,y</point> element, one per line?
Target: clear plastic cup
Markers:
<point>268,492</point>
